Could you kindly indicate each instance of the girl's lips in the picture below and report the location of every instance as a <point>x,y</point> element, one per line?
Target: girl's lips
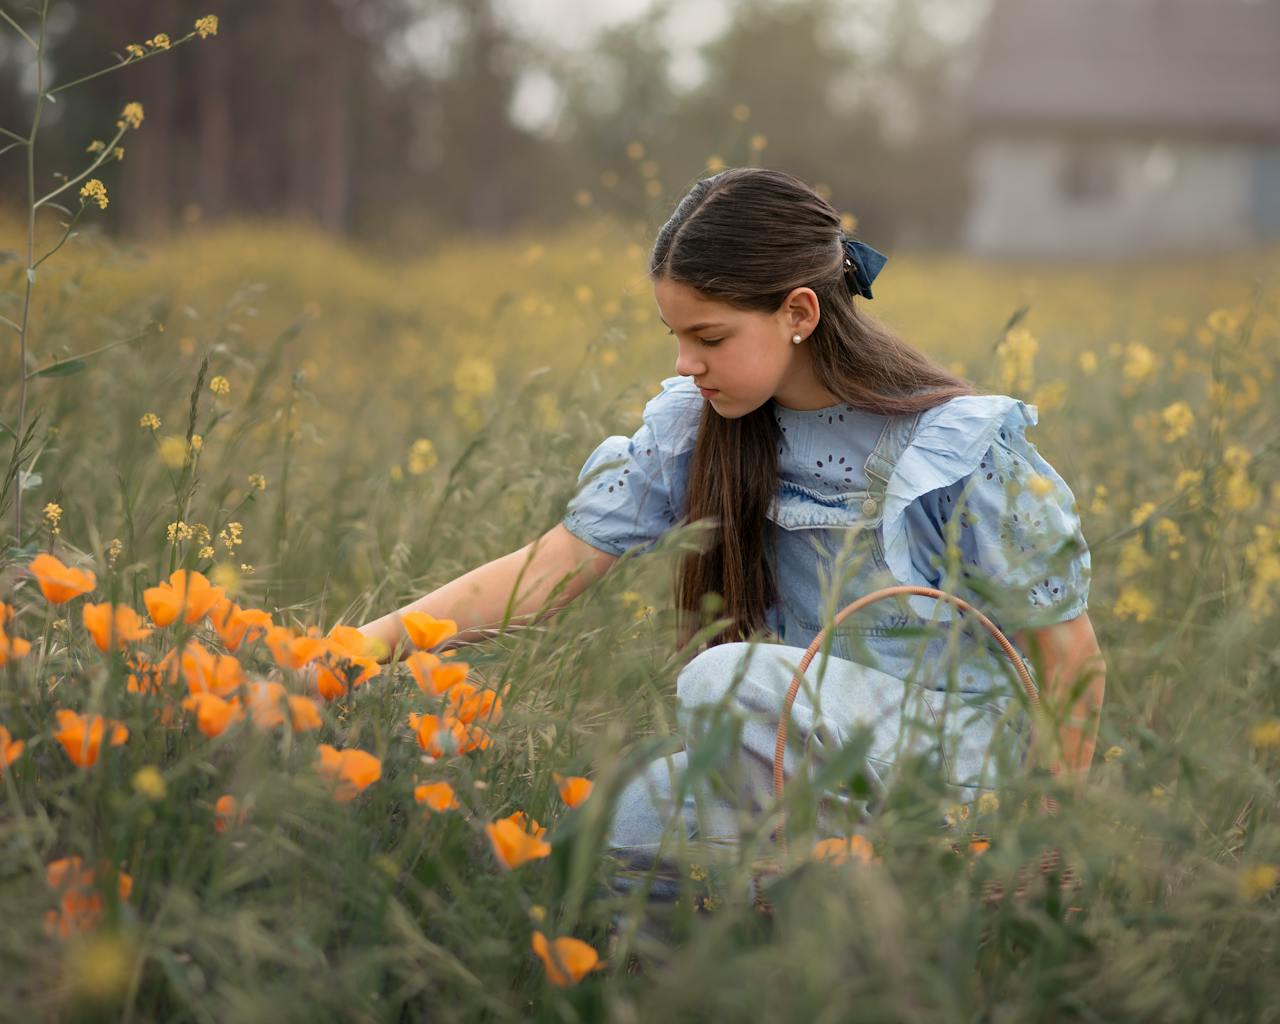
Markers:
<point>708,392</point>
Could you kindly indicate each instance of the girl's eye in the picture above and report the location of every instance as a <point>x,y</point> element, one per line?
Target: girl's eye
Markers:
<point>711,341</point>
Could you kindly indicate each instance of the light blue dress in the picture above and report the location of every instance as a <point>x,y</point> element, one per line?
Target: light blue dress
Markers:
<point>864,501</point>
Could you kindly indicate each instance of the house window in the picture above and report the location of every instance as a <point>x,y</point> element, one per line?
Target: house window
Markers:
<point>1090,173</point>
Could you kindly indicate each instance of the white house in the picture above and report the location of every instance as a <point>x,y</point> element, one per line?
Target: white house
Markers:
<point>1121,127</point>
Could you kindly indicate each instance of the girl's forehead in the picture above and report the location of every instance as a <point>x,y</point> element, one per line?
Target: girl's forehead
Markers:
<point>681,305</point>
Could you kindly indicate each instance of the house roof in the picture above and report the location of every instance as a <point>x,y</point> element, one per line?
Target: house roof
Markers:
<point>1200,66</point>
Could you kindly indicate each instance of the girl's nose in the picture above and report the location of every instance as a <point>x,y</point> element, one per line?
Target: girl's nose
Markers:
<point>689,365</point>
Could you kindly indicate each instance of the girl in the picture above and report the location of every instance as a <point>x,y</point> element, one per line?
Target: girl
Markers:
<point>828,458</point>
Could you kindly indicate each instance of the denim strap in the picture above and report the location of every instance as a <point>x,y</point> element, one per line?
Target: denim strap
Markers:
<point>894,439</point>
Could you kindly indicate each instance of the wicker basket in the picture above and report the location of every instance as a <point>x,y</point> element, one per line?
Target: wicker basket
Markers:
<point>1049,861</point>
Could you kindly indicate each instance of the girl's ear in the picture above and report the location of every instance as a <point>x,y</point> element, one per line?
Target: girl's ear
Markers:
<point>801,311</point>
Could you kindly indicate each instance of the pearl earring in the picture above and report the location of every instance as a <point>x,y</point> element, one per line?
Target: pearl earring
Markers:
<point>796,339</point>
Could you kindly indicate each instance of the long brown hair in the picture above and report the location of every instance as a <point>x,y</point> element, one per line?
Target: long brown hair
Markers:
<point>747,237</point>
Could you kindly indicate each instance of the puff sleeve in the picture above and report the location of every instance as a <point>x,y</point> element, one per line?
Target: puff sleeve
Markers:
<point>971,469</point>
<point>631,490</point>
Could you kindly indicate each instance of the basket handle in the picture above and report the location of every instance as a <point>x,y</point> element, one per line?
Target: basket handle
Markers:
<point>1033,695</point>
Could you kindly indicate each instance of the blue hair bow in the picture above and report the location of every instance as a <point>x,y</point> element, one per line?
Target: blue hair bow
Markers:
<point>864,262</point>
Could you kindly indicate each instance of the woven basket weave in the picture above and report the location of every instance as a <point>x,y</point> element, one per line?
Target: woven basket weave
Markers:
<point>1049,861</point>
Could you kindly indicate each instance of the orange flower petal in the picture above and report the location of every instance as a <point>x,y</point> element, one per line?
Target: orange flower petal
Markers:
<point>424,631</point>
<point>512,845</point>
<point>60,583</point>
<point>567,960</point>
<point>439,796</point>
<point>574,789</point>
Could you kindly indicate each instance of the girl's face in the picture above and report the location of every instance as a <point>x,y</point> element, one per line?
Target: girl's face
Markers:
<point>745,356</point>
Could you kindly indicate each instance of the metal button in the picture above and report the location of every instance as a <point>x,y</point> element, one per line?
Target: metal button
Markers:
<point>869,507</point>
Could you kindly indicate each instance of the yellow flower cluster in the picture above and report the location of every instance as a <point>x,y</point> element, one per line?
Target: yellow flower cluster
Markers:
<point>1016,356</point>
<point>1265,734</point>
<point>96,146</point>
<point>135,51</point>
<point>1178,420</point>
<point>422,456</point>
<point>94,191</point>
<point>53,513</point>
<point>149,420</point>
<point>131,115</point>
<point>230,535</point>
<point>1133,604</point>
<point>474,376</point>
<point>159,41</point>
<point>1139,362</point>
<point>114,550</point>
<point>1262,555</point>
<point>207,26</point>
<point>258,480</point>
<point>220,385</point>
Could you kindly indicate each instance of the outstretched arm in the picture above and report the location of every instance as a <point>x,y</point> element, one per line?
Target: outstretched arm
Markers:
<point>477,601</point>
<point>1071,663</point>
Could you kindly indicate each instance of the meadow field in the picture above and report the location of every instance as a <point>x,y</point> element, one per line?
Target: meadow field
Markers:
<point>326,432</point>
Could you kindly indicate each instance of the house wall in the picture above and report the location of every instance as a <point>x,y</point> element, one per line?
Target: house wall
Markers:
<point>1134,196</point>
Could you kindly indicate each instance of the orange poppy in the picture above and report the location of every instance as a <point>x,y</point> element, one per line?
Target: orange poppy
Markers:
<point>79,906</point>
<point>978,846</point>
<point>202,669</point>
<point>101,621</point>
<point>424,631</point>
<point>566,959</point>
<point>213,714</point>
<point>6,613</point>
<point>265,699</point>
<point>10,749</point>
<point>350,641</point>
<point>574,789</point>
<point>227,813</point>
<point>338,670</point>
<point>441,736</point>
<point>527,823</point>
<point>292,650</point>
<point>145,676</point>
<point>12,647</point>
<point>838,850</point>
<point>471,704</point>
<point>512,845</point>
<point>353,769</point>
<point>81,736</point>
<point>185,589</point>
<point>235,625</point>
<point>438,796</point>
<point>60,583</point>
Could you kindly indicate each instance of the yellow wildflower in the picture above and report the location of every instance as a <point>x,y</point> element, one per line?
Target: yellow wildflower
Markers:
<point>150,420</point>
<point>582,197</point>
<point>197,442</point>
<point>715,164</point>
<point>848,222</point>
<point>1099,503</point>
<point>1178,421</point>
<point>131,116</point>
<point>1134,604</point>
<point>93,190</point>
<point>740,112</point>
<point>1139,361</point>
<point>114,549</point>
<point>1112,753</point>
<point>1039,485</point>
<point>207,552</point>
<point>635,150</point>
<point>53,512</point>
<point>1187,479</point>
<point>1223,321</point>
<point>135,51</point>
<point>987,803</point>
<point>422,456</point>
<point>1142,513</point>
<point>178,530</point>
<point>258,480</point>
<point>148,781</point>
<point>96,146</point>
<point>1238,492</point>
<point>1088,363</point>
<point>1257,880</point>
<point>207,26</point>
<point>653,188</point>
<point>758,141</point>
<point>220,385</point>
<point>1265,734</point>
<point>1236,456</point>
<point>159,41</point>
<point>118,153</point>
<point>1016,354</point>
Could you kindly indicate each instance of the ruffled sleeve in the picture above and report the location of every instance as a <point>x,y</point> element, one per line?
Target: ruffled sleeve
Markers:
<point>970,469</point>
<point>631,490</point>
